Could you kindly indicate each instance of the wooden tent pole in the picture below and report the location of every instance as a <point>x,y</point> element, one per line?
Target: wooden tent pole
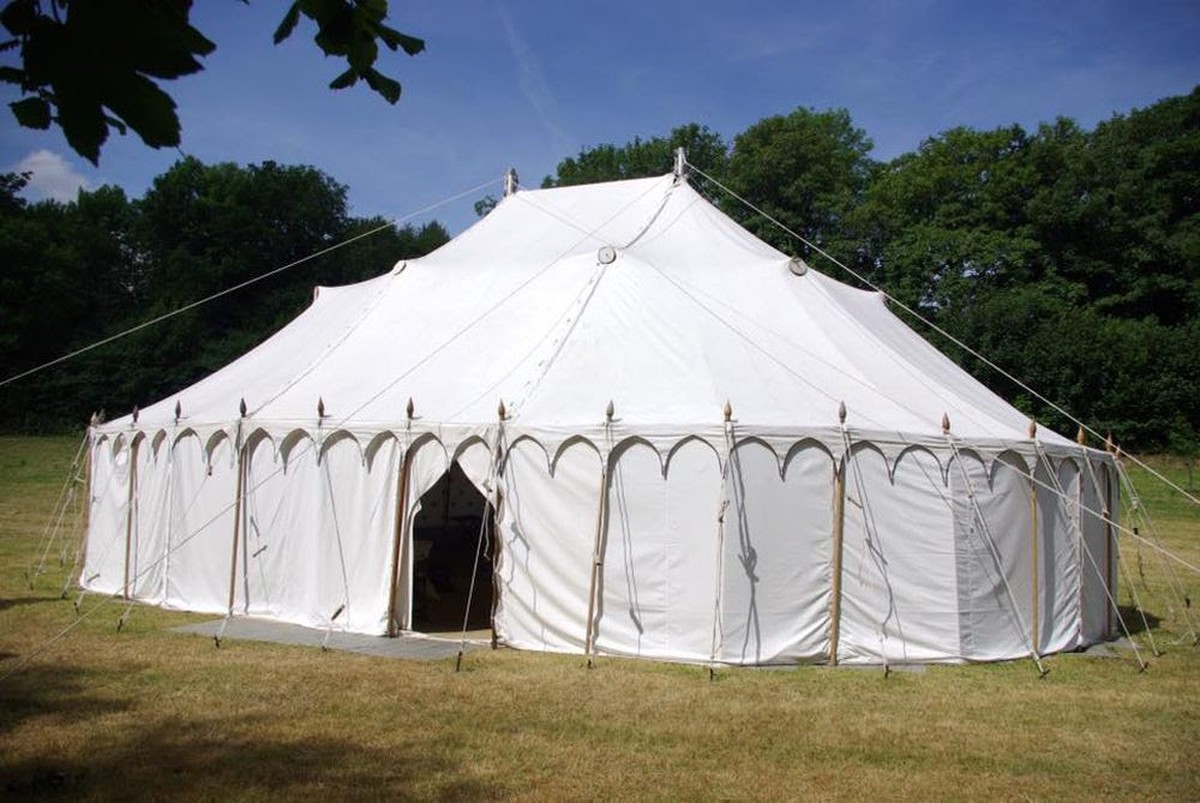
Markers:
<point>238,509</point>
<point>398,538</point>
<point>589,642</point>
<point>1108,538</point>
<point>835,590</point>
<point>130,501</point>
<point>839,520</point>
<point>597,562</point>
<point>495,562</point>
<point>1033,528</point>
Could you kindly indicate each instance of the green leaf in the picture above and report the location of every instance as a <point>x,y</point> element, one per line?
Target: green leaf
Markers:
<point>18,17</point>
<point>32,112</point>
<point>11,75</point>
<point>388,88</point>
<point>82,122</point>
<point>411,44</point>
<point>288,24</point>
<point>347,79</point>
<point>145,108</point>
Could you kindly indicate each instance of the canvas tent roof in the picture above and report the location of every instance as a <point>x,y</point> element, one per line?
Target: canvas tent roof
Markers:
<point>559,301</point>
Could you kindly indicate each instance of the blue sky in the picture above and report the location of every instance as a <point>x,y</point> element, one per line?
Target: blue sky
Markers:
<point>526,84</point>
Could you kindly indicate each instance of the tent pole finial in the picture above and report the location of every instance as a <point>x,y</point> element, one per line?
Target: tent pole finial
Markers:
<point>1032,430</point>
<point>680,164</point>
<point>320,407</point>
<point>728,411</point>
<point>510,182</point>
<point>501,412</point>
<point>1081,436</point>
<point>409,409</point>
<point>945,423</point>
<point>135,413</point>
<point>842,413</point>
<point>178,410</point>
<point>242,407</point>
<point>608,412</point>
<point>1109,446</point>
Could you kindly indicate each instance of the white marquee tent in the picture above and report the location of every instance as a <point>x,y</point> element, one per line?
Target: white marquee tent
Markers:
<point>668,468</point>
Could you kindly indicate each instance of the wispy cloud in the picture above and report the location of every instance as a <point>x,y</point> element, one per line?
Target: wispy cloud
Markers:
<point>534,86</point>
<point>53,177</point>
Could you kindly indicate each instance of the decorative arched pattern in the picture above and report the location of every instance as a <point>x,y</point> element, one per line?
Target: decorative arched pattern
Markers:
<point>899,587</point>
<point>151,531</point>
<point>660,553</point>
<point>775,602</point>
<point>1095,555</point>
<point>924,578</point>
<point>1057,484</point>
<point>547,526</point>
<point>993,540</point>
<point>204,477</point>
<point>104,554</point>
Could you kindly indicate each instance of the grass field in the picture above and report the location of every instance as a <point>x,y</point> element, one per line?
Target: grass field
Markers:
<point>147,713</point>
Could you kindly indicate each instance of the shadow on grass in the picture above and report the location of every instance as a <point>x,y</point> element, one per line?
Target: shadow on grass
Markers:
<point>1133,619</point>
<point>5,604</point>
<point>222,755</point>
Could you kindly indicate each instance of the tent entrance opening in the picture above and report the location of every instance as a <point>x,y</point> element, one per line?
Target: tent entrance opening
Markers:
<point>447,530</point>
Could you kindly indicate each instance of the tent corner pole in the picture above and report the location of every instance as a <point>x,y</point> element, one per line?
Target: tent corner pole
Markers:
<point>597,564</point>
<point>835,590</point>
<point>1033,531</point>
<point>238,512</point>
<point>398,537</point>
<point>130,515</point>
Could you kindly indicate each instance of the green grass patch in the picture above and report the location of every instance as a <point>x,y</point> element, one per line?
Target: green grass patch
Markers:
<point>148,713</point>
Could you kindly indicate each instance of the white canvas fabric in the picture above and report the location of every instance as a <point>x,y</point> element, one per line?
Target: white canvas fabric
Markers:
<point>614,323</point>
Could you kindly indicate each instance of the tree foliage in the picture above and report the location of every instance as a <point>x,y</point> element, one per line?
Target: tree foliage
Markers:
<point>91,65</point>
<point>1069,258</point>
<point>78,272</point>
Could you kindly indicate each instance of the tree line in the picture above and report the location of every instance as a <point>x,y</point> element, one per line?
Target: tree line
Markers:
<point>79,272</point>
<point>1068,257</point>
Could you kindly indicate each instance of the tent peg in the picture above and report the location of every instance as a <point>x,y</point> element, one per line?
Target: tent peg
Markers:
<point>608,412</point>
<point>409,409</point>
<point>242,407</point>
<point>945,423</point>
<point>842,413</point>
<point>728,411</point>
<point>1081,436</point>
<point>1032,430</point>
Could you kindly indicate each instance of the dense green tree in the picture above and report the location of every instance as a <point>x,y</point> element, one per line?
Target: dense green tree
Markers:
<point>76,273</point>
<point>642,158</point>
<point>808,171</point>
<point>88,65</point>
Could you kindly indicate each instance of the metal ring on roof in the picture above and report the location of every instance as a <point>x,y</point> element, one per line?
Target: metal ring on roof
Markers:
<point>607,255</point>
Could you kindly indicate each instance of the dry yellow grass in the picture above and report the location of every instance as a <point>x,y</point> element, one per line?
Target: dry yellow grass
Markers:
<point>146,713</point>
